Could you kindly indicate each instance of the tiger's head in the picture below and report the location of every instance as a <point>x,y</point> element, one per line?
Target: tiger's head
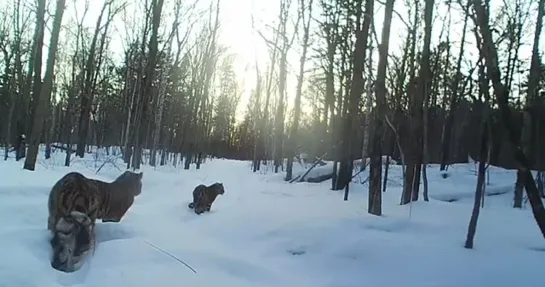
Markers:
<point>132,180</point>
<point>72,240</point>
<point>218,187</point>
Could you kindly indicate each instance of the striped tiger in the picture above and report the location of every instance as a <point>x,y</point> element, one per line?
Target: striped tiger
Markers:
<point>204,196</point>
<point>75,203</point>
<point>96,198</point>
<point>72,241</point>
<point>73,192</point>
<point>118,196</point>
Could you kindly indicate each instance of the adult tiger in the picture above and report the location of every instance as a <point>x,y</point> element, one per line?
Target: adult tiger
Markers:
<point>75,203</point>
<point>204,196</point>
<point>73,192</point>
<point>96,198</point>
<point>118,196</point>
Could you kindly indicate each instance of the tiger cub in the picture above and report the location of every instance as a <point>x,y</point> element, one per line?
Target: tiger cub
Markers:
<point>204,196</point>
<point>72,241</point>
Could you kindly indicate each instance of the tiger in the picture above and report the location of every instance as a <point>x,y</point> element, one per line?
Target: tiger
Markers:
<point>97,199</point>
<point>73,192</point>
<point>204,196</point>
<point>75,203</point>
<point>73,239</point>
<point>118,196</point>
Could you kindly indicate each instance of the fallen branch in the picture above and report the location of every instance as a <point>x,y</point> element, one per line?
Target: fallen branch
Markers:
<point>295,178</point>
<point>312,167</point>
<point>364,167</point>
<point>110,160</point>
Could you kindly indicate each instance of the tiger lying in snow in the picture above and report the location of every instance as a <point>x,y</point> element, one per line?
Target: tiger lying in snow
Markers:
<point>75,203</point>
<point>204,196</point>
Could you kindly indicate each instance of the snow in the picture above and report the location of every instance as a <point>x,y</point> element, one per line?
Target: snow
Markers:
<point>266,232</point>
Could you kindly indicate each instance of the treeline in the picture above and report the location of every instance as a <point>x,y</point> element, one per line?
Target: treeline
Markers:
<point>175,89</point>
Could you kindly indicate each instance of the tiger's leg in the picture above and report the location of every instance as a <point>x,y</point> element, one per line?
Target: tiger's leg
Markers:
<point>111,220</point>
<point>196,204</point>
<point>208,206</point>
<point>199,208</point>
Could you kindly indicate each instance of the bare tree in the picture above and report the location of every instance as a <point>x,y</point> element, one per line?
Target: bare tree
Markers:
<point>35,66</point>
<point>415,142</point>
<point>297,106</point>
<point>356,90</point>
<point>375,168</point>
<point>283,50</point>
<point>491,58</point>
<point>45,91</point>
<point>143,105</point>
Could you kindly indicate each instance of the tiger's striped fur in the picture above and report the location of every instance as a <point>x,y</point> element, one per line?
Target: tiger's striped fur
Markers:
<point>96,198</point>
<point>75,203</point>
<point>73,239</point>
<point>204,196</point>
<point>73,192</point>
<point>118,196</point>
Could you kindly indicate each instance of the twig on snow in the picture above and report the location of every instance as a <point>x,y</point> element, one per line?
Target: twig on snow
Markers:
<point>174,257</point>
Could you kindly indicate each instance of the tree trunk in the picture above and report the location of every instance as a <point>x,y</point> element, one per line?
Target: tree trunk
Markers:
<point>159,109</point>
<point>87,95</point>
<point>447,127</point>
<point>143,115</point>
<point>541,183</point>
<point>519,190</point>
<point>45,94</point>
<point>297,106</point>
<point>368,110</point>
<point>375,166</point>
<point>415,152</point>
<point>36,63</point>
<point>257,128</point>
<point>7,91</point>
<point>491,56</point>
<point>279,117</point>
<point>425,86</point>
<point>479,190</point>
<point>354,96</point>
<point>386,169</point>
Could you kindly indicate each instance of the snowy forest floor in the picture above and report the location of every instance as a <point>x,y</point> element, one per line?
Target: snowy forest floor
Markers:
<point>266,232</point>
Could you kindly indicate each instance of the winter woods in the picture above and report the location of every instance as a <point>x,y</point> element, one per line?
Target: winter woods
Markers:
<point>154,82</point>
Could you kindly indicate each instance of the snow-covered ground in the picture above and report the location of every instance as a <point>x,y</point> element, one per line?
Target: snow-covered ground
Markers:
<point>266,232</point>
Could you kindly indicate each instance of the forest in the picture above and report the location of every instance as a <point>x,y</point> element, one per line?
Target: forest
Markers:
<point>416,82</point>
